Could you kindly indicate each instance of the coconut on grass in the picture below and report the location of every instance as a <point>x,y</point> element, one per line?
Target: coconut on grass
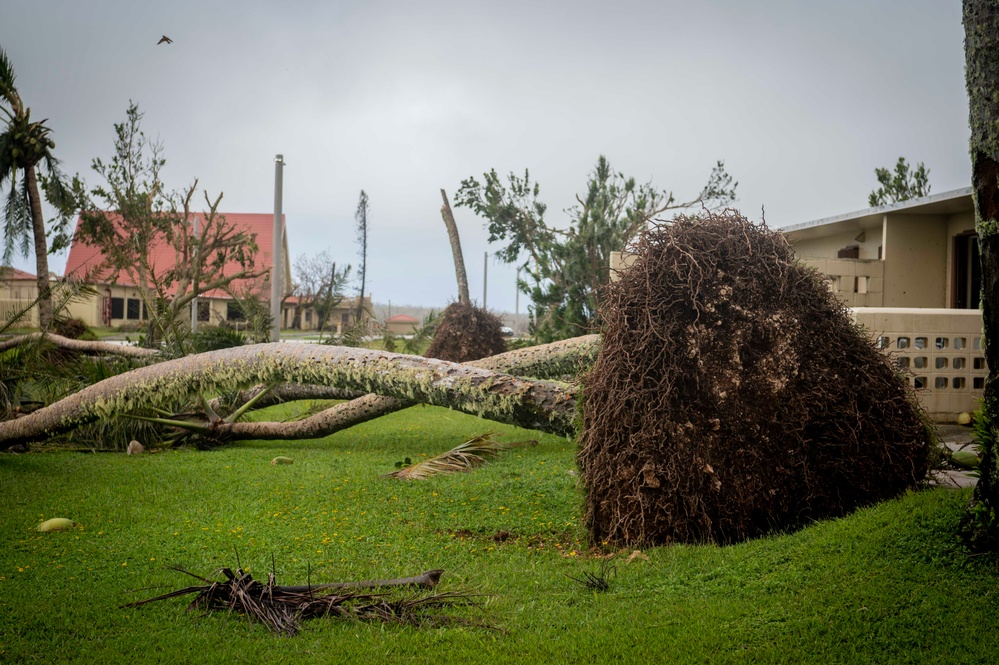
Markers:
<point>734,396</point>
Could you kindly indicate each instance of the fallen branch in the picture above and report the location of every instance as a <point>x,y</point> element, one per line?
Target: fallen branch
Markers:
<point>81,345</point>
<point>281,608</point>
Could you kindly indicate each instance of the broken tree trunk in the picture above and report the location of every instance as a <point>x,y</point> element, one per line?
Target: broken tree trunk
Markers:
<point>495,396</point>
<point>459,261</point>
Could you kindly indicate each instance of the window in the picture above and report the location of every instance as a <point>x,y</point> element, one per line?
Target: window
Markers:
<point>941,363</point>
<point>967,272</point>
<point>134,307</point>
<point>903,342</point>
<point>204,310</point>
<point>959,363</point>
<point>941,342</point>
<point>117,308</point>
<point>920,342</point>
<point>308,316</point>
<point>233,312</point>
<point>345,319</point>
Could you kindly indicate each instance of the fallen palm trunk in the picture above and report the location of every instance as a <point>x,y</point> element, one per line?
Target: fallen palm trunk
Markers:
<point>500,397</point>
<point>81,345</point>
<point>281,608</point>
<point>565,358</point>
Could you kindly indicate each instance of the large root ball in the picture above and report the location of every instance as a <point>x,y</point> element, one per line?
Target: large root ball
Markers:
<point>466,333</point>
<point>734,395</point>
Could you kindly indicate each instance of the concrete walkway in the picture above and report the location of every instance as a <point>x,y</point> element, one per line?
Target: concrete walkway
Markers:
<point>955,437</point>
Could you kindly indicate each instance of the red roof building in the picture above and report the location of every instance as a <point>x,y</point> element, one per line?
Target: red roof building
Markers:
<point>118,301</point>
<point>84,260</point>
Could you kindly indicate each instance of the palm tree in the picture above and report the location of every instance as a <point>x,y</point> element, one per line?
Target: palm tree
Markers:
<point>23,146</point>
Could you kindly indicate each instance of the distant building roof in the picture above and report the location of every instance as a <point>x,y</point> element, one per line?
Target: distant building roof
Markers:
<point>402,318</point>
<point>84,259</point>
<point>9,274</point>
<point>945,203</point>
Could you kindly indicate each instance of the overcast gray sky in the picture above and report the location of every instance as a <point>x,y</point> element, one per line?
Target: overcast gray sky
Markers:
<point>801,99</point>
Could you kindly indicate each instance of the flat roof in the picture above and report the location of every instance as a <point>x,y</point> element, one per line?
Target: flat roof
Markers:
<point>946,203</point>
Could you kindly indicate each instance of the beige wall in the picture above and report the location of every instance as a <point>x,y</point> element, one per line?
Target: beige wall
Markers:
<point>915,255</point>
<point>827,247</point>
<point>938,350</point>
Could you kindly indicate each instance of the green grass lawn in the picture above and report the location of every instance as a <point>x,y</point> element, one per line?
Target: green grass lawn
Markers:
<point>888,584</point>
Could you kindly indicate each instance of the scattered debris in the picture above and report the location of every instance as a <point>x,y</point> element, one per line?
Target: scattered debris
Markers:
<point>637,555</point>
<point>597,580</point>
<point>463,457</point>
<point>281,608</point>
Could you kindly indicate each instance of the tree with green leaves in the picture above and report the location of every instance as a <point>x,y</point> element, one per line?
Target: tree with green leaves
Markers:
<point>132,212</point>
<point>361,217</point>
<point>568,266</point>
<point>981,43</point>
<point>26,146</point>
<point>900,185</point>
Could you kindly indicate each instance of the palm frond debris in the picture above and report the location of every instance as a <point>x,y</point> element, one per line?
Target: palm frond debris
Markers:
<point>463,457</point>
<point>282,608</point>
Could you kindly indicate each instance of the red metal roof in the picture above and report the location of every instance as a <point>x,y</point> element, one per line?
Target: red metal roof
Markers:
<point>402,318</point>
<point>84,259</point>
<point>9,274</point>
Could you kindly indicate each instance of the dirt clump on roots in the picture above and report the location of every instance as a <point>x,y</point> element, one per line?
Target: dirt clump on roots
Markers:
<point>465,333</point>
<point>734,396</point>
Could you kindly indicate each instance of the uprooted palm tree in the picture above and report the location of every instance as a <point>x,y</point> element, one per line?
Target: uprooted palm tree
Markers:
<point>733,394</point>
<point>25,145</point>
<point>465,332</point>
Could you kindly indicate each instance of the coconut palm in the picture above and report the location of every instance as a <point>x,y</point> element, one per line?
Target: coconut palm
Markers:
<point>24,145</point>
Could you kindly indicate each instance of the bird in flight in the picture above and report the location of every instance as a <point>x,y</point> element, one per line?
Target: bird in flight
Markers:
<point>166,39</point>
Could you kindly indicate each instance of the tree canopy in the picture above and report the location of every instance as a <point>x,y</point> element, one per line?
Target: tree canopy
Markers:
<point>132,211</point>
<point>566,267</point>
<point>900,184</point>
<point>26,145</point>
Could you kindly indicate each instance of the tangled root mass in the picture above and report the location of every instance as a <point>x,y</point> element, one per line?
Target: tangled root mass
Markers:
<point>735,396</point>
<point>466,333</point>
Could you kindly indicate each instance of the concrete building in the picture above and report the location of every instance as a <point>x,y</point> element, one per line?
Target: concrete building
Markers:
<point>911,273</point>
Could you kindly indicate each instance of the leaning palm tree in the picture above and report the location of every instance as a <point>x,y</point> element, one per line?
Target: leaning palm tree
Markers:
<point>24,145</point>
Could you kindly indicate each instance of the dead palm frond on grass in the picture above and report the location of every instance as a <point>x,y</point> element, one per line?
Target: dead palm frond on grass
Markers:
<point>282,608</point>
<point>463,457</point>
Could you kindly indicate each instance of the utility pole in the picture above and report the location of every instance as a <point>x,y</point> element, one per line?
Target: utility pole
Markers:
<point>516,302</point>
<point>485,271</point>
<point>277,252</point>
<point>194,301</point>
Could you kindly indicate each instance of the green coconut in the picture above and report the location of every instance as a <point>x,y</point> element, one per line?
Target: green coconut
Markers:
<point>965,459</point>
<point>964,418</point>
<point>56,524</point>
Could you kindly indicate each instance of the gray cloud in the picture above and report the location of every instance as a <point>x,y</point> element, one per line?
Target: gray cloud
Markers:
<point>802,101</point>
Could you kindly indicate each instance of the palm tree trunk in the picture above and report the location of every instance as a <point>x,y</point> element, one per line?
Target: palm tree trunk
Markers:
<point>41,251</point>
<point>500,397</point>
<point>981,26</point>
<point>459,261</point>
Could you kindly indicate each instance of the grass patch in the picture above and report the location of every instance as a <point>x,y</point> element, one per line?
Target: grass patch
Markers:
<point>887,584</point>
